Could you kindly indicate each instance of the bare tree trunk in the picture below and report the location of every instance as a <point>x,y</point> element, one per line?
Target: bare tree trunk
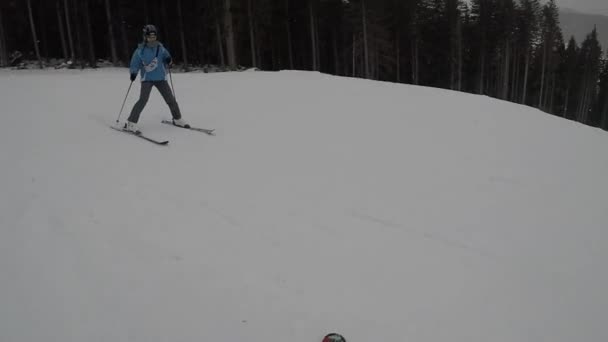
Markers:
<point>579,107</point>
<point>455,45</point>
<point>64,45</point>
<point>166,27</point>
<point>459,47</point>
<point>604,123</point>
<point>313,36</point>
<point>585,107</point>
<point>111,33</point>
<point>552,96</point>
<point>587,103</point>
<point>3,47</point>
<point>80,53</point>
<point>258,51</point>
<point>542,75</point>
<point>365,45</point>
<point>514,70</point>
<point>69,29</point>
<point>398,48</point>
<point>585,89</point>
<point>370,62</point>
<point>452,68</point>
<point>373,62</point>
<point>567,98</point>
<point>482,67</point>
<point>87,20</point>
<point>33,27</point>
<point>482,49</point>
<point>43,27</point>
<point>549,75</point>
<point>336,55</point>
<point>415,68</point>
<point>228,26</point>
<point>124,36</point>
<point>276,61</point>
<point>505,81</point>
<point>199,47</point>
<point>220,46</point>
<point>526,70</point>
<point>251,34</point>
<point>288,27</point>
<point>318,48</point>
<point>518,78</point>
<point>452,47</point>
<point>146,12</point>
<point>180,19</point>
<point>582,112</point>
<point>354,55</point>
<point>376,71</point>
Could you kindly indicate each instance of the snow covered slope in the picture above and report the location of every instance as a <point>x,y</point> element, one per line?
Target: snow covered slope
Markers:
<point>384,212</point>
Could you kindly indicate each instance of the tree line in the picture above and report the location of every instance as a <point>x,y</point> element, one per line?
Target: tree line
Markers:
<point>508,49</point>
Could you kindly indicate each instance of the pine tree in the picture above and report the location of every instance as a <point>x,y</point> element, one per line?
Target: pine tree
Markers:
<point>603,94</point>
<point>529,30</point>
<point>572,76</point>
<point>489,34</point>
<point>252,36</point>
<point>288,31</point>
<point>126,54</point>
<point>511,49</point>
<point>453,14</point>
<point>414,25</point>
<point>551,33</point>
<point>180,21</point>
<point>3,46</point>
<point>591,53</point>
<point>372,43</point>
<point>505,17</point>
<point>112,39</point>
<point>89,33</point>
<point>229,34</point>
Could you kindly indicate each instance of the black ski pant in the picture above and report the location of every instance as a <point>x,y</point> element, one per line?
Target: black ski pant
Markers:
<point>165,91</point>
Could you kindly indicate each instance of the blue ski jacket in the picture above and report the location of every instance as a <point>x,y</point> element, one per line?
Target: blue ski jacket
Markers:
<point>150,62</point>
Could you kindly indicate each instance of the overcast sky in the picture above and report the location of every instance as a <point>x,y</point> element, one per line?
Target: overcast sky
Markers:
<point>585,6</point>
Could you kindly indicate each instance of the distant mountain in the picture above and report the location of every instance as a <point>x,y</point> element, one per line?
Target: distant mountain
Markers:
<point>579,25</point>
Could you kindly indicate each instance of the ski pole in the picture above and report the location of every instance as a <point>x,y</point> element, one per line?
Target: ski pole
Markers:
<point>172,87</point>
<point>123,102</point>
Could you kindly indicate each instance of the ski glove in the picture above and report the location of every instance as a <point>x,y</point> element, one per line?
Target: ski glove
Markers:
<point>168,61</point>
<point>133,76</point>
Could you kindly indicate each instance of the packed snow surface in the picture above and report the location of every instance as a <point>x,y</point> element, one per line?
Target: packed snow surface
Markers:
<point>384,212</point>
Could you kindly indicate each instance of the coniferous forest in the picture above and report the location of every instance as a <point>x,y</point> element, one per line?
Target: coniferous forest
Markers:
<point>508,49</point>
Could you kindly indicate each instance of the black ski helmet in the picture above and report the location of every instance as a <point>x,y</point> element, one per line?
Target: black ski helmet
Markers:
<point>148,29</point>
<point>334,337</point>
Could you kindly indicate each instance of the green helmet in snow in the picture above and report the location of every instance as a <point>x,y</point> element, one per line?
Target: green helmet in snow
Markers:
<point>334,337</point>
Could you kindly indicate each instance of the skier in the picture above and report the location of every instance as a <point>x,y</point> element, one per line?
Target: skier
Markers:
<point>149,60</point>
